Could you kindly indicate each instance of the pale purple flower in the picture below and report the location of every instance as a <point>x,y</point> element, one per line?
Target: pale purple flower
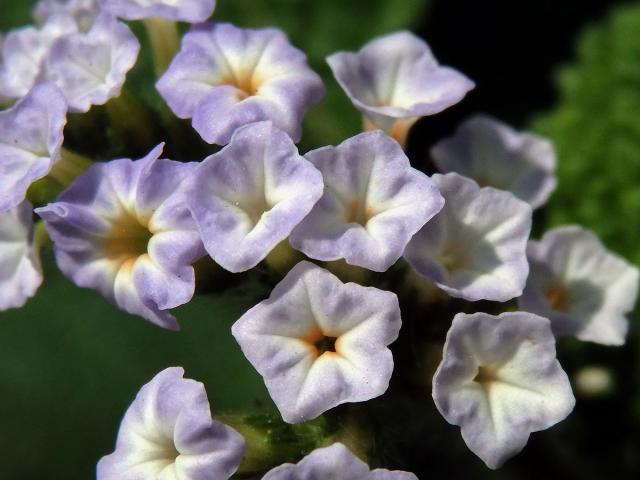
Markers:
<point>225,77</point>
<point>168,433</point>
<point>20,269</point>
<point>333,462</point>
<point>495,155</point>
<point>192,11</point>
<point>247,198</point>
<point>90,67</point>
<point>83,12</point>
<point>584,289</point>
<point>475,248</point>
<point>395,79</point>
<point>120,230</point>
<point>373,203</point>
<point>31,134</point>
<point>23,51</point>
<point>318,342</point>
<point>499,380</point>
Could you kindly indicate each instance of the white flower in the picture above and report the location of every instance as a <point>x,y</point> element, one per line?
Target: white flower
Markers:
<point>168,434</point>
<point>475,248</point>
<point>584,289</point>
<point>499,380</point>
<point>495,155</point>
<point>319,343</point>
<point>20,269</point>
<point>395,79</point>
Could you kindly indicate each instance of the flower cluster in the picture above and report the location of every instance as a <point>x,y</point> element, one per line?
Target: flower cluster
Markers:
<point>133,229</point>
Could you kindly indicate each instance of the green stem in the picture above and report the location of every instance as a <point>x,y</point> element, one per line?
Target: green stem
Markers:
<point>283,257</point>
<point>164,39</point>
<point>40,237</point>
<point>70,166</point>
<point>348,273</point>
<point>270,442</point>
<point>130,119</point>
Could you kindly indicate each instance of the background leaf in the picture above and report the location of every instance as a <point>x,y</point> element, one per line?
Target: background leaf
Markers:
<point>596,130</point>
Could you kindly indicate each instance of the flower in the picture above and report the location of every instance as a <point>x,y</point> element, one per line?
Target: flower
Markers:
<point>495,155</point>
<point>335,461</point>
<point>90,67</point>
<point>83,12</point>
<point>23,51</point>
<point>395,79</point>
<point>193,11</point>
<point>247,198</point>
<point>20,269</point>
<point>372,204</point>
<point>31,134</point>
<point>475,248</point>
<point>499,380</point>
<point>319,342</point>
<point>168,433</point>
<point>585,290</point>
<point>119,230</point>
<point>225,77</point>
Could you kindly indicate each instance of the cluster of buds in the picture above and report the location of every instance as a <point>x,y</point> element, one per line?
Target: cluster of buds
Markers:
<point>133,229</point>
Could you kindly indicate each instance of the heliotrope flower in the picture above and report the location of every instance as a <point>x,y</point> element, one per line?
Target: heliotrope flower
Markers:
<point>585,290</point>
<point>225,77</point>
<point>475,248</point>
<point>20,269</point>
<point>319,342</point>
<point>23,51</point>
<point>193,11</point>
<point>120,230</point>
<point>499,380</point>
<point>495,155</point>
<point>90,67</point>
<point>373,202</point>
<point>83,12</point>
<point>247,198</point>
<point>168,433</point>
<point>31,134</point>
<point>335,461</point>
<point>395,79</point>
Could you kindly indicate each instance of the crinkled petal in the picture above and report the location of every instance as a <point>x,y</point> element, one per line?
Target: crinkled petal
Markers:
<point>23,51</point>
<point>248,197</point>
<point>226,77</point>
<point>475,248</point>
<point>585,290</point>
<point>31,134</point>
<point>335,461</point>
<point>499,380</point>
<point>90,68</point>
<point>20,269</point>
<point>495,155</point>
<point>168,433</point>
<point>280,338</point>
<point>396,77</point>
<point>373,203</point>
<point>193,11</point>
<point>120,230</point>
<point>83,12</point>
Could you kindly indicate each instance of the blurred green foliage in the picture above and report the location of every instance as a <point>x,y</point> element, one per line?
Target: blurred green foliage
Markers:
<point>596,130</point>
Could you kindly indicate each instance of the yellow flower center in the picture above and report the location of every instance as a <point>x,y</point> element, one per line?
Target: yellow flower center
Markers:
<point>558,297</point>
<point>127,240</point>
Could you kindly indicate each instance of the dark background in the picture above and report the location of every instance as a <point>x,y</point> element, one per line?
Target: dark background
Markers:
<point>71,363</point>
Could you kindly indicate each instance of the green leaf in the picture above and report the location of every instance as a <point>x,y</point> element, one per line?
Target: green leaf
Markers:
<point>72,363</point>
<point>596,130</point>
<point>15,13</point>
